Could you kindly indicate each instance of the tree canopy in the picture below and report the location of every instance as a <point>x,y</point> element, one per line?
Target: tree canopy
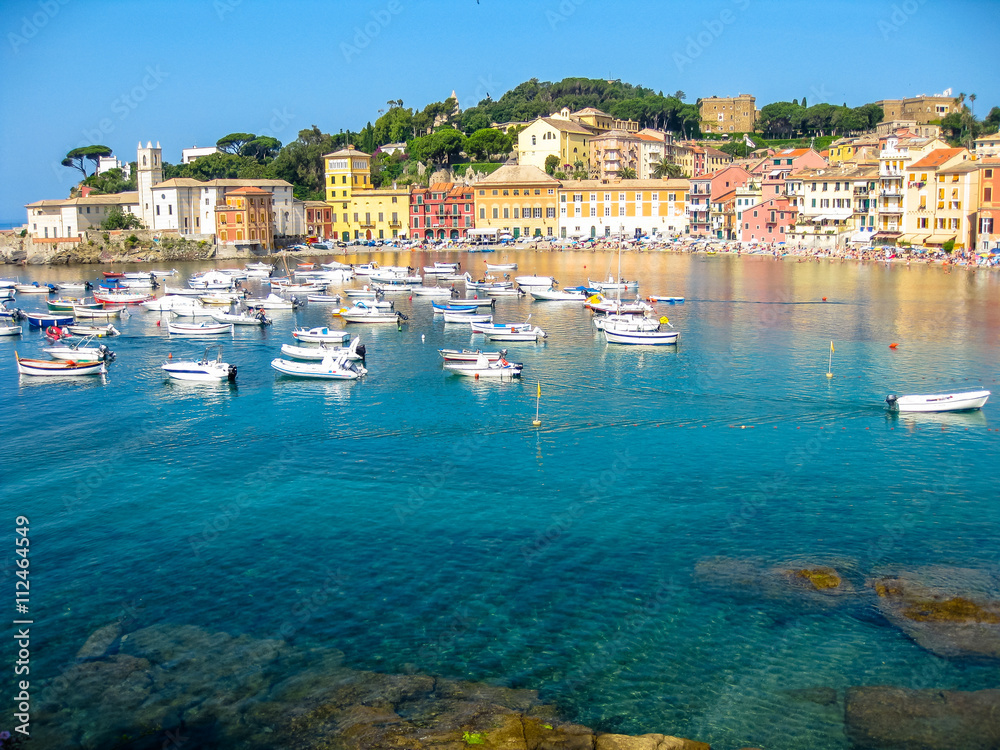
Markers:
<point>487,143</point>
<point>788,119</point>
<point>77,158</point>
<point>117,218</point>
<point>233,142</point>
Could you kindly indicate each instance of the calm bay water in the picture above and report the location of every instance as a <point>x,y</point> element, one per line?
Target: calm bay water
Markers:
<point>416,519</point>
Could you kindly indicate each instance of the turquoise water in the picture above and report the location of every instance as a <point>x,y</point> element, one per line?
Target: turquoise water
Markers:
<point>418,520</point>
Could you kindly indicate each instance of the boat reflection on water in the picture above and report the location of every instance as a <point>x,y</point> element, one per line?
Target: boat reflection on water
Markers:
<point>332,392</point>
<point>945,420</point>
<point>56,381</point>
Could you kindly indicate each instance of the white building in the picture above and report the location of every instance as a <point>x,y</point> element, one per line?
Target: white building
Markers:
<point>188,155</point>
<point>988,146</point>
<point>106,163</point>
<point>654,146</point>
<point>70,218</point>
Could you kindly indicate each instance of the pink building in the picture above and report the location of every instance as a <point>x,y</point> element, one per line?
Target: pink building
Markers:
<point>769,221</point>
<point>613,151</point>
<point>708,189</point>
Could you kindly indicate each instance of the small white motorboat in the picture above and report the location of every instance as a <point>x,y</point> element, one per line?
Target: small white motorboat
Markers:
<point>167,302</point>
<point>482,367</point>
<point>613,286</point>
<point>543,282</point>
<point>323,299</point>
<point>106,313</point>
<point>467,317</point>
<point>600,303</point>
<point>10,330</point>
<point>649,324</point>
<point>501,266</point>
<point>272,302</point>
<point>363,313</point>
<point>533,333</point>
<point>575,294</point>
<point>331,368</point>
<point>503,291</point>
<point>121,297</point>
<point>220,299</point>
<point>205,369</point>
<point>469,355</point>
<point>493,327</point>
<point>334,265</point>
<point>80,352</point>
<point>98,331</point>
<point>637,332</point>
<point>34,288</point>
<point>356,351</point>
<point>938,402</point>
<point>365,293</point>
<point>431,291</point>
<point>320,335</point>
<point>73,286</point>
<point>180,291</point>
<point>163,274</point>
<point>57,367</point>
<point>243,318</point>
<point>200,329</point>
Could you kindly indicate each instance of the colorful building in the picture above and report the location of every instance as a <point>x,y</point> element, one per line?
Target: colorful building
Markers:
<point>442,211</point>
<point>518,200</point>
<point>707,189</point>
<point>834,205</point>
<point>358,210</point>
<point>941,201</point>
<point>770,221</point>
<point>614,151</point>
<point>988,214</point>
<point>555,136</point>
<point>629,208</point>
<point>896,152</point>
<point>319,220</point>
<point>246,217</point>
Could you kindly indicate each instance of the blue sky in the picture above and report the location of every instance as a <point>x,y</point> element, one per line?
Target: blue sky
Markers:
<point>187,72</point>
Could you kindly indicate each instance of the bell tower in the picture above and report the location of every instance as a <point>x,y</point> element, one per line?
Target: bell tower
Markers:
<point>149,162</point>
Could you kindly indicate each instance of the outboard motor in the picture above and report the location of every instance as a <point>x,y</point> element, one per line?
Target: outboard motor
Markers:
<point>106,354</point>
<point>88,286</point>
<point>360,351</point>
<point>231,375</point>
<point>892,400</point>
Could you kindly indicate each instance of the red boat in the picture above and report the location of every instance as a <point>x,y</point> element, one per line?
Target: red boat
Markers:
<point>113,275</point>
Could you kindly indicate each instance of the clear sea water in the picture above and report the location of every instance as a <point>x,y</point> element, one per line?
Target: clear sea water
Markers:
<point>418,520</point>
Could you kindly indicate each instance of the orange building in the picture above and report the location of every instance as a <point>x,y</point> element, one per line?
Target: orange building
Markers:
<point>319,220</point>
<point>989,205</point>
<point>246,217</point>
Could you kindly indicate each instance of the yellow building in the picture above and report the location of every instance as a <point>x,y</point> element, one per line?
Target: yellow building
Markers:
<point>359,211</point>
<point>942,197</point>
<point>630,208</point>
<point>861,150</point>
<point>517,200</point>
<point>555,136</point>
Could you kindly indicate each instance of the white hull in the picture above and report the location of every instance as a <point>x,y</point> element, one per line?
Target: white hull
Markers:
<point>52,368</point>
<point>532,334</point>
<point>326,370</point>
<point>320,335</point>
<point>501,266</point>
<point>941,402</point>
<point>83,312</point>
<point>473,370</point>
<point>641,338</point>
<point>99,331</point>
<point>467,318</point>
<point>545,282</point>
<point>200,329</point>
<point>192,311</point>
<point>468,355</point>
<point>240,320</point>
<point>553,295</point>
<point>10,330</point>
<point>79,354</point>
<point>213,372</point>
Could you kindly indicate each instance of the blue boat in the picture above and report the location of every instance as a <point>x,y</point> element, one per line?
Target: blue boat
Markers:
<point>44,320</point>
<point>454,307</point>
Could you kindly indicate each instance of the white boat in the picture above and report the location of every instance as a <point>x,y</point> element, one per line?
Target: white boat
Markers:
<point>496,327</point>
<point>431,291</point>
<point>503,292</point>
<point>137,275</point>
<point>938,402</point>
<point>10,330</point>
<point>205,369</point>
<point>560,295</point>
<point>543,282</point>
<point>365,293</point>
<point>387,276</point>
<point>105,314</point>
<point>320,335</point>
<point>98,331</point>
<point>299,288</point>
<point>650,324</point>
<point>220,298</point>
<point>362,313</point>
<point>482,367</point>
<point>323,299</point>
<point>80,352</point>
<point>145,282</point>
<point>334,265</point>
<point>467,317</point>
<point>272,302</point>
<point>33,288</point>
<point>501,266</point>
<point>366,269</point>
<point>356,351</point>
<point>163,274</point>
<point>168,302</point>
<point>57,368</point>
<point>469,355</point>
<point>73,286</point>
<point>600,303</point>
<point>635,332</point>
<point>200,329</point>
<point>120,297</point>
<point>331,368</point>
<point>517,334</point>
<point>324,277</point>
<point>180,291</point>
<point>243,318</point>
<point>613,286</point>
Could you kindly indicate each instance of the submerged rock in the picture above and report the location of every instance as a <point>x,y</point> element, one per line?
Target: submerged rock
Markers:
<point>951,623</point>
<point>187,686</point>
<point>822,584</point>
<point>100,641</point>
<point>887,718</point>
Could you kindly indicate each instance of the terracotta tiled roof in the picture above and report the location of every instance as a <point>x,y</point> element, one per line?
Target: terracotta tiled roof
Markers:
<point>936,158</point>
<point>566,126</point>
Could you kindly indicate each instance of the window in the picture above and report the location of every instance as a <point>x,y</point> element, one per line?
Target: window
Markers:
<point>550,191</point>
<point>989,174</point>
<point>607,210</point>
<point>496,192</point>
<point>987,195</point>
<point>157,210</point>
<point>515,213</point>
<point>482,213</point>
<point>506,212</point>
<point>593,197</point>
<point>550,212</point>
<point>496,212</point>
<point>621,211</point>
<point>621,196</point>
<point>533,141</point>
<point>593,210</point>
<point>506,192</point>
<point>515,191</point>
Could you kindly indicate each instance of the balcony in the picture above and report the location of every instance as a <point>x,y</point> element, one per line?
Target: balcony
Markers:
<point>395,223</point>
<point>890,209</point>
<point>367,224</point>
